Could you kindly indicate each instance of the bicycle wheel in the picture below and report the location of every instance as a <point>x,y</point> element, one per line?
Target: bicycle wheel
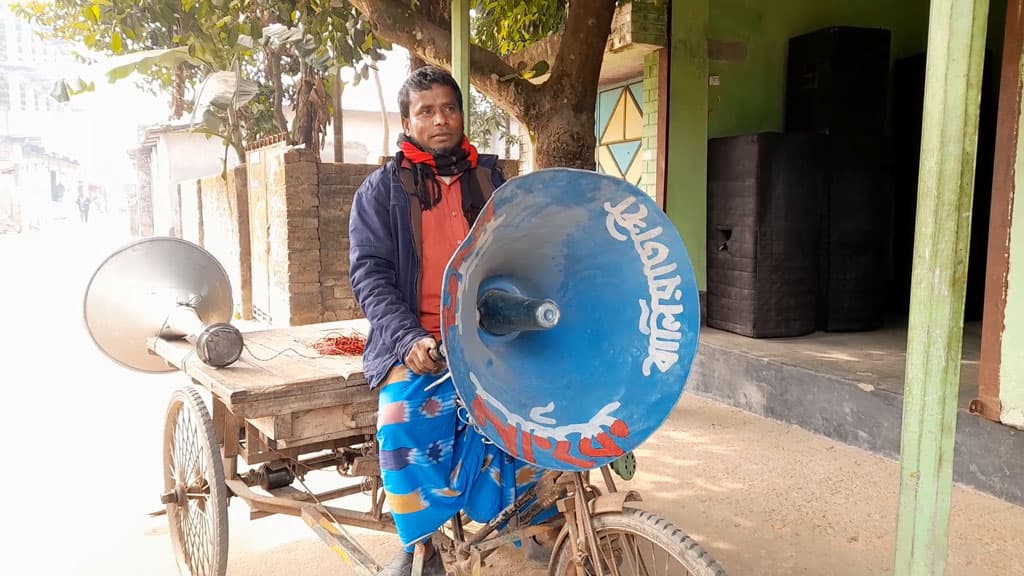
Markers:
<point>194,488</point>
<point>637,543</point>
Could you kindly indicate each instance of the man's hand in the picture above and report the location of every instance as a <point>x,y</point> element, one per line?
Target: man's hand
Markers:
<point>424,357</point>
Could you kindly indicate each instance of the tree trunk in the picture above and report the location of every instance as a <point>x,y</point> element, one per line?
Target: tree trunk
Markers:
<point>178,93</point>
<point>311,103</point>
<point>415,61</point>
<point>383,113</point>
<point>274,72</point>
<point>564,140</point>
<point>234,139</point>
<point>338,119</point>
<point>506,136</point>
<point>559,113</point>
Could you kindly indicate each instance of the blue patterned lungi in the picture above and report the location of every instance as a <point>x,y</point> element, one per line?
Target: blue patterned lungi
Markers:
<point>434,465</point>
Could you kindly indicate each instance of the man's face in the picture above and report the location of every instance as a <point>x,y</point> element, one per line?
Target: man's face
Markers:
<point>435,121</point>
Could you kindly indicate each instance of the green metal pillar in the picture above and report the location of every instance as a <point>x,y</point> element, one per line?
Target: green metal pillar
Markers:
<point>956,44</point>
<point>686,185</point>
<point>460,50</point>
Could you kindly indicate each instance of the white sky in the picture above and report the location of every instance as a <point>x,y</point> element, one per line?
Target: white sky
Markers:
<point>108,121</point>
<point>393,71</point>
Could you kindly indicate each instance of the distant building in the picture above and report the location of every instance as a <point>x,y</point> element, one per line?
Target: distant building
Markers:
<point>38,184</point>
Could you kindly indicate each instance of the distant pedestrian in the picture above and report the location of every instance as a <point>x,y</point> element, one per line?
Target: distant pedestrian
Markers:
<point>83,206</point>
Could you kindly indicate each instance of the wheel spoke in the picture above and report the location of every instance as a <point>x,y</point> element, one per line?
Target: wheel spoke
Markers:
<point>198,515</point>
<point>637,543</point>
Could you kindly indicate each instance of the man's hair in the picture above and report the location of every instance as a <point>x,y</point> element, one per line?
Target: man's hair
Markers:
<point>421,80</point>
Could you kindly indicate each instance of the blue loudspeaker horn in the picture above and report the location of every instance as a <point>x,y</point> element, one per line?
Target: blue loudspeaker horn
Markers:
<point>570,317</point>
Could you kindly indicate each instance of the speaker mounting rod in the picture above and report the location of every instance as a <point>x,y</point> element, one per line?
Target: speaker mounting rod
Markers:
<point>219,344</point>
<point>503,313</point>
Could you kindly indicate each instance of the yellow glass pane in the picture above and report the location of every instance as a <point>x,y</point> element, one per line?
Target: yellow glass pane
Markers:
<point>634,117</point>
<point>604,156</point>
<point>616,129</point>
<point>636,170</point>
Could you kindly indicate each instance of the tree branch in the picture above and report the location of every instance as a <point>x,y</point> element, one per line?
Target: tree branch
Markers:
<point>395,21</point>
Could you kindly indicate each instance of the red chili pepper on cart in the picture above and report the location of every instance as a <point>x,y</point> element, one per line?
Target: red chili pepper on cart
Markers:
<point>340,345</point>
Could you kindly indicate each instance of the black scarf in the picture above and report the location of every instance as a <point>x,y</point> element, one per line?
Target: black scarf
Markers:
<point>426,166</point>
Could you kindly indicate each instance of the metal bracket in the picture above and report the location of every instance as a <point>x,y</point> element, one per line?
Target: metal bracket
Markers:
<point>339,541</point>
<point>613,502</point>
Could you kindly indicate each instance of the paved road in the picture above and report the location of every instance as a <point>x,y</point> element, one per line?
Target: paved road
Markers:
<point>82,464</point>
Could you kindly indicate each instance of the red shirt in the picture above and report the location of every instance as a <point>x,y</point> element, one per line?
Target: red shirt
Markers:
<point>444,229</point>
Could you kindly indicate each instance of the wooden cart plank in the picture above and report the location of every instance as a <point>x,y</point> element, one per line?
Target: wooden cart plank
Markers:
<point>279,372</point>
<point>368,431</point>
<point>313,423</point>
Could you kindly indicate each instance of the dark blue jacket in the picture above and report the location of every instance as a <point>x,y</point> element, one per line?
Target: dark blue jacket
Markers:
<point>384,264</point>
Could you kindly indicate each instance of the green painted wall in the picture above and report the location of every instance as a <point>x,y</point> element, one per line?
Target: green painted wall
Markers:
<point>752,90</point>
<point>1011,368</point>
<point>750,93</point>
<point>686,184</point>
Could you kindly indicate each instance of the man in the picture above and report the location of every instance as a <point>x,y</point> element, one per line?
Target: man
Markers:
<point>407,220</point>
<point>83,202</point>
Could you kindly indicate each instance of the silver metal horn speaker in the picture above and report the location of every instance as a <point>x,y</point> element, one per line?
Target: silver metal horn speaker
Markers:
<point>166,287</point>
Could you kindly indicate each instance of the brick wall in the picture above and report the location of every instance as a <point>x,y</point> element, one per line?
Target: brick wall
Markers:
<point>649,148</point>
<point>639,22</point>
<point>338,184</point>
<point>307,210</point>
<point>293,202</point>
<point>225,232</point>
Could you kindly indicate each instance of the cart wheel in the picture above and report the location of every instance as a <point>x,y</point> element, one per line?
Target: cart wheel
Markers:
<point>194,488</point>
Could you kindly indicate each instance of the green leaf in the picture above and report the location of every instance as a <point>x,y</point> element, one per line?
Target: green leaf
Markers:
<point>91,13</point>
<point>212,122</point>
<point>539,69</point>
<point>209,133</point>
<point>115,43</point>
<point>187,5</point>
<point>120,67</point>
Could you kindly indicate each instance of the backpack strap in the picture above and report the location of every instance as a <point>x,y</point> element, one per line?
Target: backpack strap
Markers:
<point>485,179</point>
